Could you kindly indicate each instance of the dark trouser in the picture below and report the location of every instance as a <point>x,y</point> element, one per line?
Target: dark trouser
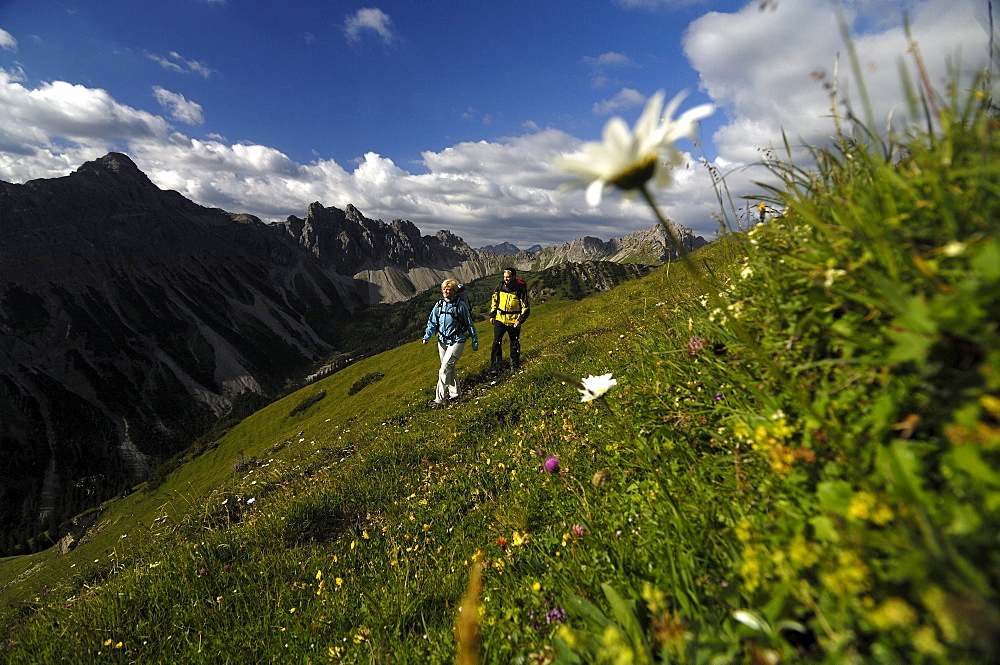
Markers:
<point>496,355</point>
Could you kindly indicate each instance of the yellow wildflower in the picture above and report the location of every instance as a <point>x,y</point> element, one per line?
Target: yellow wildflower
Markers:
<point>848,576</point>
<point>882,514</point>
<point>861,506</point>
<point>656,599</point>
<point>743,531</point>
<point>991,404</point>
<point>750,569</point>
<point>926,642</point>
<point>802,552</point>
<point>936,601</point>
<point>893,613</point>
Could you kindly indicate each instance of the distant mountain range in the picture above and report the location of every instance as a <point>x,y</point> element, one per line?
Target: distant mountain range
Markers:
<point>506,249</point>
<point>131,318</point>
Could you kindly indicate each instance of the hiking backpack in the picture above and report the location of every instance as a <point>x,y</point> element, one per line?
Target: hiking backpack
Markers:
<point>463,296</point>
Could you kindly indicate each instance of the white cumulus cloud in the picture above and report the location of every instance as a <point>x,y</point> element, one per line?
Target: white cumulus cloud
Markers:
<point>611,58</point>
<point>374,20</point>
<point>180,108</point>
<point>7,40</point>
<point>764,70</point>
<point>771,71</point>
<point>175,62</point>
<point>626,98</point>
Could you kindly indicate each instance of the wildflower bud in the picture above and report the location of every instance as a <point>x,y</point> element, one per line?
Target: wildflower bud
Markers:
<point>600,478</point>
<point>579,531</point>
<point>695,344</point>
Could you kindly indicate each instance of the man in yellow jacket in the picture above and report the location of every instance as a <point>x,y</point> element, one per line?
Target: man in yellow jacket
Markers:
<point>508,310</point>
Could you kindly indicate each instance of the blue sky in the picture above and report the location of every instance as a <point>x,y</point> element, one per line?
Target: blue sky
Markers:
<point>445,113</point>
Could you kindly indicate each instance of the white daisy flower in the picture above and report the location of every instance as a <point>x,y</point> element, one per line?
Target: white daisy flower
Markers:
<point>596,386</point>
<point>627,159</point>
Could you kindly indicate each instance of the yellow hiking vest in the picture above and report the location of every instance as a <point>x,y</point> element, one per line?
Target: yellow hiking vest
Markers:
<point>506,307</point>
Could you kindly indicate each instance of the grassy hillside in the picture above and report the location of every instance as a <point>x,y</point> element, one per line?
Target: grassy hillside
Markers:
<point>384,326</point>
<point>370,488</point>
<point>799,463</point>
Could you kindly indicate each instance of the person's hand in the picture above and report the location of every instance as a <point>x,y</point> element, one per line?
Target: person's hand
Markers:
<point>492,321</point>
<point>424,341</point>
<point>517,324</point>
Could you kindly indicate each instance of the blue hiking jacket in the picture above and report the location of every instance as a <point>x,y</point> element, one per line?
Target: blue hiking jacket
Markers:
<point>452,321</point>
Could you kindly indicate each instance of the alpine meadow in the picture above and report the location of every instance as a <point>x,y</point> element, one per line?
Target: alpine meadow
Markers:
<point>794,458</point>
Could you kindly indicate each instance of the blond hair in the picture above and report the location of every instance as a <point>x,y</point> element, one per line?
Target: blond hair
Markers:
<point>451,283</point>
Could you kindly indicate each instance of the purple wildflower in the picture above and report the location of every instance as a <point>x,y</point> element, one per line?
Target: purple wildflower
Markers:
<point>552,464</point>
<point>556,615</point>
<point>718,397</point>
<point>579,531</point>
<point>696,344</point>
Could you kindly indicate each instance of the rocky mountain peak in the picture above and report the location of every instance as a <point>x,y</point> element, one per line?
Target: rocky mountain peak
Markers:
<point>116,162</point>
<point>114,169</point>
<point>450,240</point>
<point>504,248</point>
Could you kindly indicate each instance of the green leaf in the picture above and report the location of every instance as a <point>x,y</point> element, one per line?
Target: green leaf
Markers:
<point>914,331</point>
<point>625,614</point>
<point>565,653</point>
<point>965,519</point>
<point>967,458</point>
<point>908,346</point>
<point>588,611</point>
<point>900,466</point>
<point>824,529</point>
<point>987,260</point>
<point>835,496</point>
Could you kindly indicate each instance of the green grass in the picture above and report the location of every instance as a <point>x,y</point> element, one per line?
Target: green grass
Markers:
<point>328,466</point>
<point>799,464</point>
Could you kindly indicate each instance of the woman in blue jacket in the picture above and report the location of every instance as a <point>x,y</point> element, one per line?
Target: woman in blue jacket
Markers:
<point>451,319</point>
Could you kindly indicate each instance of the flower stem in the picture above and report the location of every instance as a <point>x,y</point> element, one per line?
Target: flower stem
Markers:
<point>710,290</point>
<point>675,240</point>
<point>614,416</point>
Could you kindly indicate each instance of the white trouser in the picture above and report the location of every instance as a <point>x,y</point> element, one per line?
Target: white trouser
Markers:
<point>447,383</point>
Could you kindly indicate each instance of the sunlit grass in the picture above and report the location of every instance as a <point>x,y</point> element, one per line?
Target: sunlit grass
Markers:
<point>370,489</point>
